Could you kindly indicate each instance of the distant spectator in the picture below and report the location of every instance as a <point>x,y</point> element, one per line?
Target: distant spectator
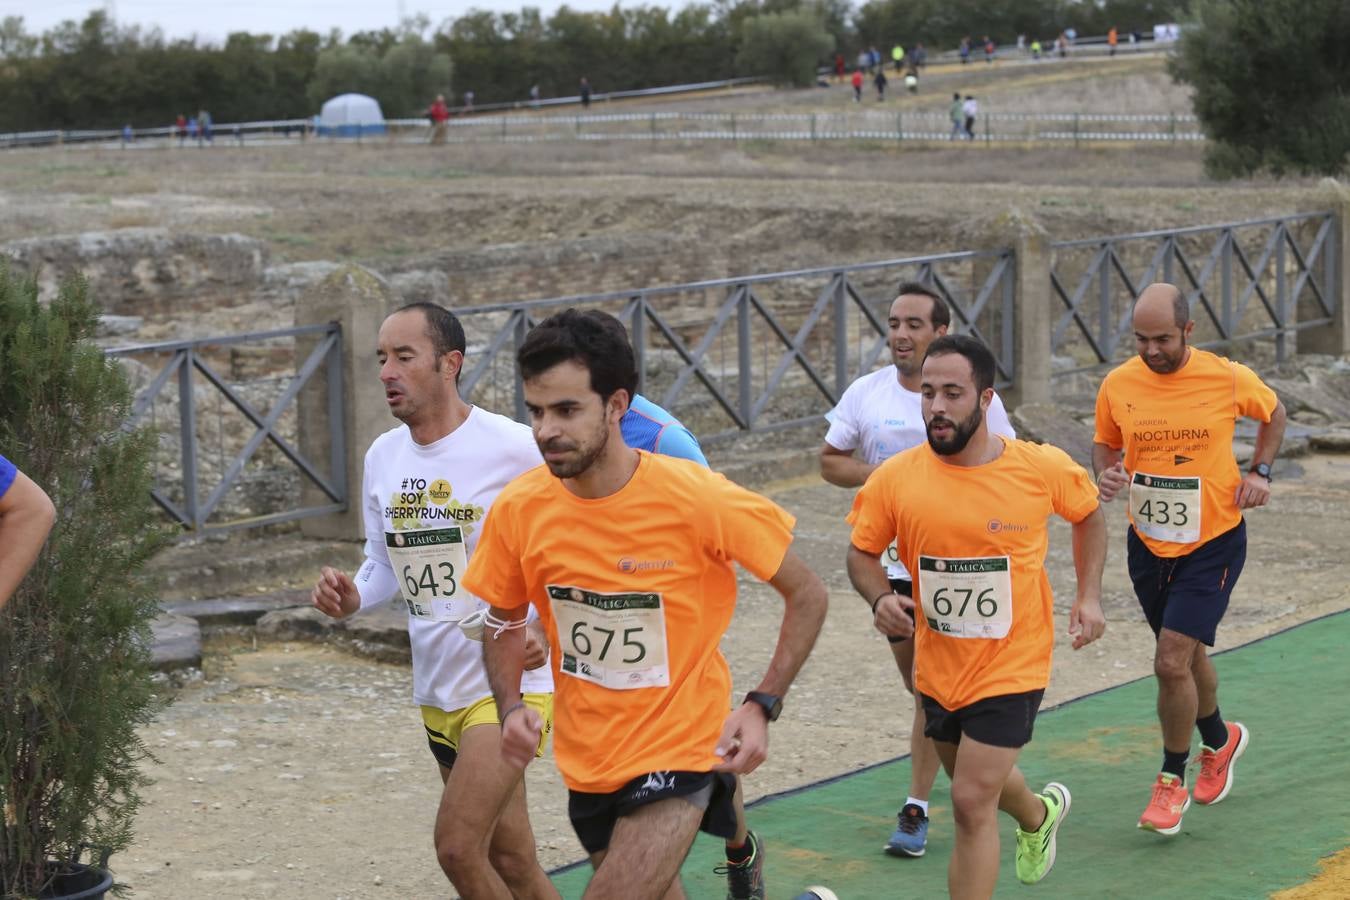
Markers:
<point>180,128</point>
<point>880,82</point>
<point>439,114</point>
<point>534,96</point>
<point>989,49</point>
<point>192,127</point>
<point>468,101</point>
<point>1111,39</point>
<point>127,134</point>
<point>204,125</point>
<point>585,92</point>
<point>920,55</point>
<point>912,81</point>
<point>864,60</point>
<point>1021,43</point>
<point>957,115</point>
<point>1062,45</point>
<point>965,50</point>
<point>839,68</point>
<point>873,58</point>
<point>970,109</point>
<point>897,56</point>
<point>1035,49</point>
<point>857,85</point>
<point>1071,34</point>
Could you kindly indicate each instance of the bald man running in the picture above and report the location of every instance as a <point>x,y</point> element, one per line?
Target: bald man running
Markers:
<point>1164,435</point>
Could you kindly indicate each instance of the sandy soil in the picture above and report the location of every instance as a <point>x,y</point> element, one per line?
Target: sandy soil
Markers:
<point>298,771</point>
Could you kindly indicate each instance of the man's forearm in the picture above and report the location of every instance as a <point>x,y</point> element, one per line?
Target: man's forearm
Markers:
<point>803,615</point>
<point>866,574</point>
<point>504,658</point>
<point>844,471</point>
<point>1269,437</point>
<point>1103,458</point>
<point>1089,553</point>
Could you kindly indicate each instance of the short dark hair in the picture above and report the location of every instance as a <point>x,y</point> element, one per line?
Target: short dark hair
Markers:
<point>443,328</point>
<point>940,314</point>
<point>592,338</point>
<point>981,361</point>
<point>1181,308</point>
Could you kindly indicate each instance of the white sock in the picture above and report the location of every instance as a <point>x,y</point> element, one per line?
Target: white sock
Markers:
<point>921,804</point>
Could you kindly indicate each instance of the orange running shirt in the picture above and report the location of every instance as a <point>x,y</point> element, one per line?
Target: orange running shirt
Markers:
<point>1176,431</point>
<point>635,591</point>
<point>976,538</point>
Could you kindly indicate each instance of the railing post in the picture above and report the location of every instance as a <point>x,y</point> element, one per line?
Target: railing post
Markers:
<point>744,355</point>
<point>344,394</point>
<point>1075,131</point>
<point>733,128</point>
<point>187,439</point>
<point>522,330</point>
<point>1281,296</point>
<point>813,126</point>
<point>1030,305</point>
<point>653,125</point>
<point>841,342</point>
<point>1333,338</point>
<point>637,334</point>
<point>1226,283</point>
<point>1106,324</point>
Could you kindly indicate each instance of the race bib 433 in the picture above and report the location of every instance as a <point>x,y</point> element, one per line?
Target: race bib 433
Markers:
<point>1165,508</point>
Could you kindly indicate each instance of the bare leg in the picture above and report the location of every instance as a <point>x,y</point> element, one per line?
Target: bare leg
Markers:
<point>1178,700</point>
<point>984,780</point>
<point>1206,682</point>
<point>924,763</point>
<point>645,852</point>
<point>482,807</point>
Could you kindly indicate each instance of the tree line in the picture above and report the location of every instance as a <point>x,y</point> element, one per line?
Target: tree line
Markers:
<point>100,73</point>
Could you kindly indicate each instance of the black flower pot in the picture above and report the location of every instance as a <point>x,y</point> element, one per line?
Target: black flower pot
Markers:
<point>78,882</point>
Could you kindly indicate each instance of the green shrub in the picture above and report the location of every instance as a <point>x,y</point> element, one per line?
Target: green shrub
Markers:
<point>787,46</point>
<point>75,674</point>
<point>1270,82</point>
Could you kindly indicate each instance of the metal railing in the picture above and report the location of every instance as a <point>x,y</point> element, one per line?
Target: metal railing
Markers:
<point>758,353</point>
<point>857,124</point>
<point>1282,263</point>
<point>181,390</point>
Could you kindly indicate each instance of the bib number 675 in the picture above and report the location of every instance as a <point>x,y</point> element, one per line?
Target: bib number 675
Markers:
<point>581,642</point>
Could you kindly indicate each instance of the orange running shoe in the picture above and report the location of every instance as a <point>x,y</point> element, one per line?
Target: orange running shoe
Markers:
<point>1216,766</point>
<point>1170,799</point>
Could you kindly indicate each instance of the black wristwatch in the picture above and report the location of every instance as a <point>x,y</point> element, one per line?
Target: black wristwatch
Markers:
<point>770,703</point>
<point>1262,469</point>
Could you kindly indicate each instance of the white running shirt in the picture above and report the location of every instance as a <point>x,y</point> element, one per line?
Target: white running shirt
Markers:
<point>878,418</point>
<point>410,487</point>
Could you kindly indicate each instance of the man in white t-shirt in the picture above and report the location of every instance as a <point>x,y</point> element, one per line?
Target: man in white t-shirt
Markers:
<point>880,415</point>
<point>426,489</point>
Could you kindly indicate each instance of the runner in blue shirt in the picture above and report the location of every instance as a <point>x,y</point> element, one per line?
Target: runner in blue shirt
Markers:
<point>647,426</point>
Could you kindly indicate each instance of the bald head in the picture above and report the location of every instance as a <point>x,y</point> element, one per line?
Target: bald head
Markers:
<point>1162,323</point>
<point>1158,303</point>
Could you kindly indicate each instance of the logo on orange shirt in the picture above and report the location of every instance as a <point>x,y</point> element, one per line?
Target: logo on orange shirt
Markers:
<point>997,525</point>
<point>629,566</point>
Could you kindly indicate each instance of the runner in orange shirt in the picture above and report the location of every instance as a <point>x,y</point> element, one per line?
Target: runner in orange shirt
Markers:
<point>1172,411</point>
<point>627,557</point>
<point>968,514</point>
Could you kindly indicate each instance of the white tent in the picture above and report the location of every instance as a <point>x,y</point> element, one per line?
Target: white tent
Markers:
<point>351,115</point>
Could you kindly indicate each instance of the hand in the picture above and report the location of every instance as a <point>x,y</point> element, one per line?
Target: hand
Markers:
<point>536,645</point>
<point>892,616</point>
<point>335,595</point>
<point>744,743</point>
<point>1253,491</point>
<point>1111,482</point>
<point>520,737</point>
<point>1086,621</point>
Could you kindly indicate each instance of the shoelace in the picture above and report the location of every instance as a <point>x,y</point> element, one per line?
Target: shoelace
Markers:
<point>1161,789</point>
<point>739,875</point>
<point>910,823</point>
<point>1209,763</point>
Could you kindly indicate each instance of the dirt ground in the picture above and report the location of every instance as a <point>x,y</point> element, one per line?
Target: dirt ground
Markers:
<point>300,771</point>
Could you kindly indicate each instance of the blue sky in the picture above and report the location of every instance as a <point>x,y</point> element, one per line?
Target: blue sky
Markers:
<point>214,19</point>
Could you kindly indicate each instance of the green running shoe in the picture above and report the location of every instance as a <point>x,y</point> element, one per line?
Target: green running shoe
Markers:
<point>1036,849</point>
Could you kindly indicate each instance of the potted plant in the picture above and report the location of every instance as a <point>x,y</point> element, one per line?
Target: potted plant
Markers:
<point>75,671</point>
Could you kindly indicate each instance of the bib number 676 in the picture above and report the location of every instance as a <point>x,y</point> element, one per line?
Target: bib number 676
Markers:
<point>985,604</point>
<point>581,642</point>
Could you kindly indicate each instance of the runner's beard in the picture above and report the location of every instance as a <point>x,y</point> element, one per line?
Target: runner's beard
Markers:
<point>586,455</point>
<point>962,432</point>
